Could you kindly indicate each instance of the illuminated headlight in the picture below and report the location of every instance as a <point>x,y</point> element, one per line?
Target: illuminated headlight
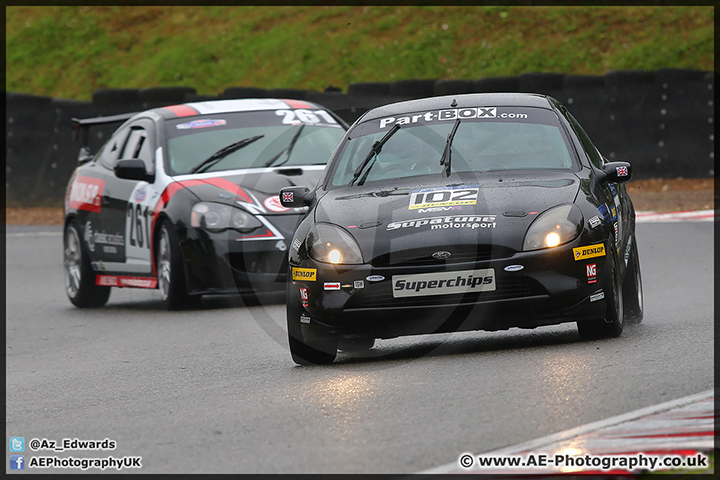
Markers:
<point>218,217</point>
<point>330,244</point>
<point>554,227</point>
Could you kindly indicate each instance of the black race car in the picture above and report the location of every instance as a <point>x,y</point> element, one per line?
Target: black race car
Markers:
<point>184,198</point>
<point>465,212</point>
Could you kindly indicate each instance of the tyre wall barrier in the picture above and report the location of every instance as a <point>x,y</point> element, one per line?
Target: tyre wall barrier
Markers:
<point>660,121</point>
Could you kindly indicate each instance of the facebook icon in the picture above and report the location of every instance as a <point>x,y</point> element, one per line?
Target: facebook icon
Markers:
<point>17,462</point>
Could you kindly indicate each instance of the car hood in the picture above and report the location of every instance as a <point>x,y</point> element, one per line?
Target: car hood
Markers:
<point>256,189</point>
<point>383,220</point>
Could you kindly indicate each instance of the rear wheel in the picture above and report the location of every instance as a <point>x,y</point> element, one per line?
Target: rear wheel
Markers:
<point>79,275</point>
<point>613,324</point>
<point>306,347</point>
<point>632,288</point>
<point>171,274</point>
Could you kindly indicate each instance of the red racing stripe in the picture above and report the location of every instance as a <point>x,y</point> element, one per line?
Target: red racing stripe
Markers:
<point>296,103</point>
<point>182,110</point>
<point>267,233</point>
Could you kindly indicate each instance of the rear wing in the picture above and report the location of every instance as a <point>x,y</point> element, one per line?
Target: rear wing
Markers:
<point>82,125</point>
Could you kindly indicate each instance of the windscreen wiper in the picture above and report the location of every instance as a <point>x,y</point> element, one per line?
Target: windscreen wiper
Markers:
<point>287,149</point>
<point>377,146</point>
<point>222,153</point>
<point>447,154</point>
<point>379,193</point>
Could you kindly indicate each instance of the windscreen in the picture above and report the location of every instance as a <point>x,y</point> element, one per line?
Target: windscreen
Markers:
<point>251,140</point>
<point>486,139</point>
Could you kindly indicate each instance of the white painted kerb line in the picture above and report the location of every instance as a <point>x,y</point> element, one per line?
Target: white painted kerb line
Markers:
<point>33,234</point>
<point>688,216</point>
<point>540,443</point>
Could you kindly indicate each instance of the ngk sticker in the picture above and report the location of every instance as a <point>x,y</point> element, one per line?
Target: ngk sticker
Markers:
<point>86,194</point>
<point>304,296</point>
<point>591,270</point>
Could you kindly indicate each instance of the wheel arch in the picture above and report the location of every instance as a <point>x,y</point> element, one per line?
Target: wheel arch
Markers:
<point>164,217</point>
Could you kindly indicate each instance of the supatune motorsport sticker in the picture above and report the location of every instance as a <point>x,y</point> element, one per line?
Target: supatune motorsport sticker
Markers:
<point>443,283</point>
<point>471,222</point>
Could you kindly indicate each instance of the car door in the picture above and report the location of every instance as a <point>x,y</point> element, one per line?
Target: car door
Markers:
<point>129,215</point>
<point>90,198</point>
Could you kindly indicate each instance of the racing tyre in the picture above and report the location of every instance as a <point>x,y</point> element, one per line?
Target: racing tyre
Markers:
<point>361,344</point>
<point>632,289</point>
<point>171,274</point>
<point>613,324</point>
<point>79,275</point>
<point>318,350</point>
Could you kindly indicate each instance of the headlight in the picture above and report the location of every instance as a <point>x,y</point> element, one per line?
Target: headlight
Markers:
<point>554,227</point>
<point>217,216</point>
<point>330,244</point>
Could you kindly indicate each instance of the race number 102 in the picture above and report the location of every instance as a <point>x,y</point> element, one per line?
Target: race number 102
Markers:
<point>443,197</point>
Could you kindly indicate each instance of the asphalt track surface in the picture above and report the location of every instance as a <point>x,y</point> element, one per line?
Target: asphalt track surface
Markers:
<point>214,390</point>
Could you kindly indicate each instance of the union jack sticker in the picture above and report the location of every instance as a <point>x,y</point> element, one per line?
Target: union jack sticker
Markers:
<point>621,171</point>
<point>287,196</point>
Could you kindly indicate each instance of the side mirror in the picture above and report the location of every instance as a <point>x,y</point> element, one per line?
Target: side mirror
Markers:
<point>132,169</point>
<point>616,172</point>
<point>84,155</point>
<point>294,197</point>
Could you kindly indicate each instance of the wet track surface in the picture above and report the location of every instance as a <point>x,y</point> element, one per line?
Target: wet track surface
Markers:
<point>214,390</point>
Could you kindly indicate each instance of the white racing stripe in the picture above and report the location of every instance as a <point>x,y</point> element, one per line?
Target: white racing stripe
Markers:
<point>240,105</point>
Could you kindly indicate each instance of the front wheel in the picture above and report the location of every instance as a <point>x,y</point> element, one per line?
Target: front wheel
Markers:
<point>79,275</point>
<point>612,326</point>
<point>306,347</point>
<point>171,274</point>
<point>632,288</point>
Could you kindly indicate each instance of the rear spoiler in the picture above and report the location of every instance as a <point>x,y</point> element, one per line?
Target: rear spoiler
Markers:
<point>82,125</point>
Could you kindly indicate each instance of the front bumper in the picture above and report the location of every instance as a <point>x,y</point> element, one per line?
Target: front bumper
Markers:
<point>551,288</point>
<point>229,262</point>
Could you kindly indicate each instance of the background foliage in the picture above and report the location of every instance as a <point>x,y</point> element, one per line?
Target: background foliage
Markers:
<point>70,51</point>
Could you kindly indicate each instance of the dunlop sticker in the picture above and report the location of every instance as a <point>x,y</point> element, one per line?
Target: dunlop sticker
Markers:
<point>581,253</point>
<point>308,274</point>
